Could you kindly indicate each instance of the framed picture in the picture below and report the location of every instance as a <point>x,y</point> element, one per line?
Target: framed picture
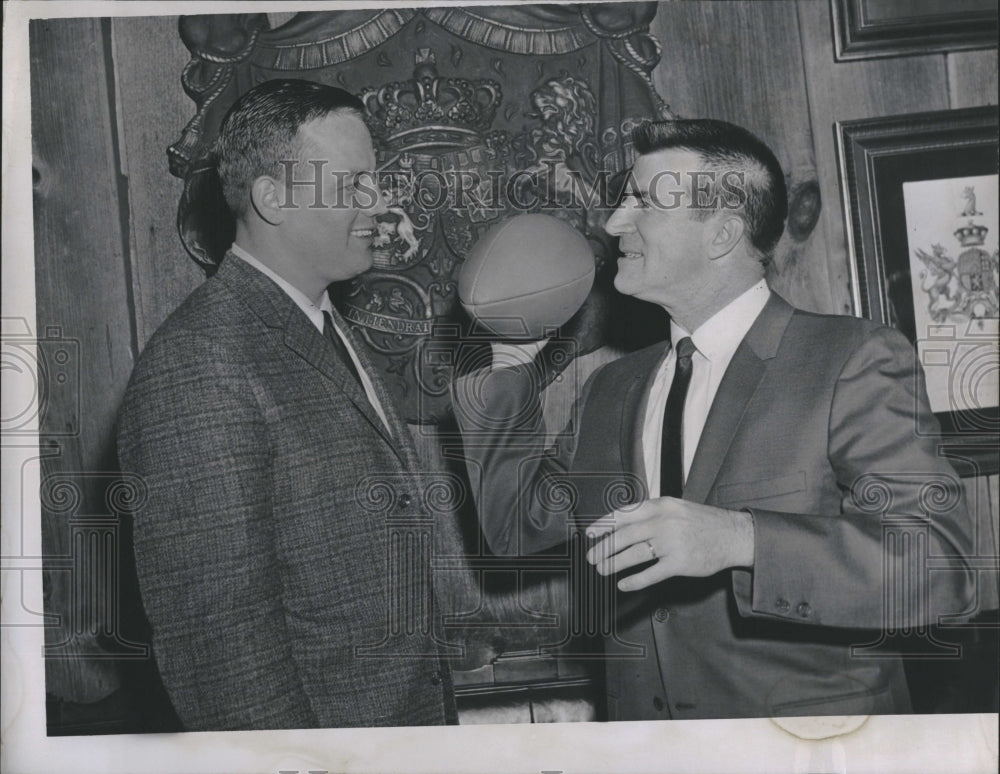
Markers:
<point>921,191</point>
<point>863,29</point>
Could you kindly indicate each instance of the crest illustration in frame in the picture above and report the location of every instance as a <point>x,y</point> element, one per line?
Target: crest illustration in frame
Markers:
<point>921,193</point>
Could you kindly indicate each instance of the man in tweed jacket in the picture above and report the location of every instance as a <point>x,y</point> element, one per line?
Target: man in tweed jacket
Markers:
<point>262,433</point>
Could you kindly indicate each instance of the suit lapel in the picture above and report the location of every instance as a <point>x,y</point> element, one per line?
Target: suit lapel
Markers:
<point>738,386</point>
<point>397,433</point>
<point>273,306</point>
<point>647,365</point>
<point>302,338</point>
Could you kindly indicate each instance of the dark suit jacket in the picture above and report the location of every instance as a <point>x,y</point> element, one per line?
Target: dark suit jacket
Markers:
<point>263,551</point>
<point>813,431</point>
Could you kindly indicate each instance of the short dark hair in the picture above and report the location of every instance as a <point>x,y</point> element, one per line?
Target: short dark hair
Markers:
<point>260,131</point>
<point>724,147</point>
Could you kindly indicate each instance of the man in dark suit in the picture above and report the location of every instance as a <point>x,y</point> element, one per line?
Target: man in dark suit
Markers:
<point>784,500</point>
<point>266,441</point>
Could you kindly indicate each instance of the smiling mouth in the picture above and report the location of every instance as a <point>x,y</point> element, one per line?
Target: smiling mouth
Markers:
<point>363,233</point>
<point>630,256</point>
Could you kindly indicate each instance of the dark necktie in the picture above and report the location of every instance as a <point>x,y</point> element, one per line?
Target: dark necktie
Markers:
<point>338,344</point>
<point>671,445</point>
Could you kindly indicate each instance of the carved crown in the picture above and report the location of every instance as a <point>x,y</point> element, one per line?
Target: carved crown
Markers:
<point>972,235</point>
<point>429,110</point>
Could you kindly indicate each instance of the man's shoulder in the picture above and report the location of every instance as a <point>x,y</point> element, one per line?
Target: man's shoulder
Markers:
<point>841,331</point>
<point>642,361</point>
<point>845,322</point>
<point>208,318</point>
<point>207,303</point>
<point>828,347</point>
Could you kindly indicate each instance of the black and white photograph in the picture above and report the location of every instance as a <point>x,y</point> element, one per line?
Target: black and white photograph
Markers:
<point>493,387</point>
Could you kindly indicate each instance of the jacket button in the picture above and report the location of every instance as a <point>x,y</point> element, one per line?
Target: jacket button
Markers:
<point>782,605</point>
<point>804,610</point>
<point>657,703</point>
<point>405,500</point>
<point>661,614</point>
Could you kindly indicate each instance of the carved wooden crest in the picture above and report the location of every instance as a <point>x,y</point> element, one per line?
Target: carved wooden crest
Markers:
<point>476,114</point>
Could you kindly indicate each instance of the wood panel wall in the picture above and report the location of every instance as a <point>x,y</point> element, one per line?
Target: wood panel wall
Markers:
<point>107,100</point>
<point>148,57</point>
<point>82,295</point>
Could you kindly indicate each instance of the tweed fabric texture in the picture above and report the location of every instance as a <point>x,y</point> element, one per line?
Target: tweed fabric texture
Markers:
<point>263,552</point>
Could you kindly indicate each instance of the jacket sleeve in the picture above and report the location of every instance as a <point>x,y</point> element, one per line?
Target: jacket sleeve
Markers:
<point>519,485</point>
<point>191,427</point>
<point>896,554</point>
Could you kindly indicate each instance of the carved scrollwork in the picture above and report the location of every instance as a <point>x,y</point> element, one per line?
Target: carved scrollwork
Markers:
<point>218,44</point>
<point>625,30</point>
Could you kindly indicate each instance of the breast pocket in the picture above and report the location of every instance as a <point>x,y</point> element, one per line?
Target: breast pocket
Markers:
<point>748,492</point>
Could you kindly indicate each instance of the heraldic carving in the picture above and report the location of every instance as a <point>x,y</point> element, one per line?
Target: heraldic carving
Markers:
<point>477,114</point>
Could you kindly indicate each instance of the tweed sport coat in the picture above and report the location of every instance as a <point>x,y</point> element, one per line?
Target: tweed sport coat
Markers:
<point>813,431</point>
<point>263,550</point>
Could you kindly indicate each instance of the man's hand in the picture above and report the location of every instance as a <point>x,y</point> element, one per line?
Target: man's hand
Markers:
<point>684,538</point>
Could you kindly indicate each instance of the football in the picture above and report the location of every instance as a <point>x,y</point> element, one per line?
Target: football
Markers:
<point>526,276</point>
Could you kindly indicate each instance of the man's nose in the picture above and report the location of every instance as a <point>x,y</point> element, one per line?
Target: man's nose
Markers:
<point>619,223</point>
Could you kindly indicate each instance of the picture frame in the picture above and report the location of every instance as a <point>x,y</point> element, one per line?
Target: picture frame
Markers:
<point>865,29</point>
<point>923,264</point>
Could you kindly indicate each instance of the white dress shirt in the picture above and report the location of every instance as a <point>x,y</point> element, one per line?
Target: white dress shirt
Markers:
<point>315,315</point>
<point>716,341</point>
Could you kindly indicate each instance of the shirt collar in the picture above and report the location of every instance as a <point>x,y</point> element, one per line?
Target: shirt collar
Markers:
<point>313,312</point>
<point>722,333</point>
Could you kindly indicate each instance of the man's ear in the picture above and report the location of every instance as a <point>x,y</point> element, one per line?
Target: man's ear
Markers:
<point>266,199</point>
<point>728,233</point>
